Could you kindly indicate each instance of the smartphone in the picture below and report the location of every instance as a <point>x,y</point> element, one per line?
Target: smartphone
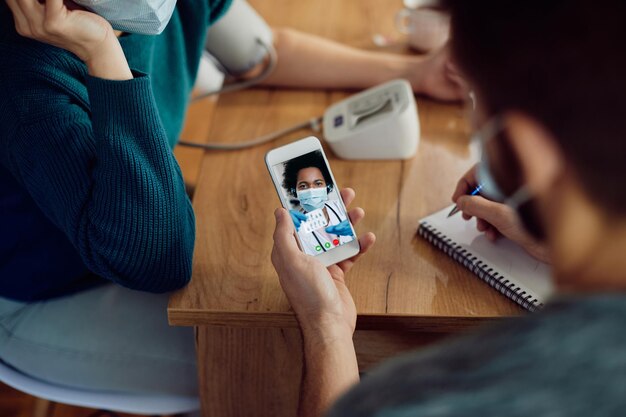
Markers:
<point>307,188</point>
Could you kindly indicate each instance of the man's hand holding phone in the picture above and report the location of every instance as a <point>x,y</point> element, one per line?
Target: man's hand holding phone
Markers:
<point>324,309</point>
<point>493,218</point>
<point>318,295</point>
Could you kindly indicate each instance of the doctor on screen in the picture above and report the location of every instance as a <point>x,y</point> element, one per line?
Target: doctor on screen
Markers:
<point>321,223</point>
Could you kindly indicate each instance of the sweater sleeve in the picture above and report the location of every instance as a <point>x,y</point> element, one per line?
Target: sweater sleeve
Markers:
<point>110,182</point>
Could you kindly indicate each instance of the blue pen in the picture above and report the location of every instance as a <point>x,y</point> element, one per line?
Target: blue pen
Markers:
<point>455,209</point>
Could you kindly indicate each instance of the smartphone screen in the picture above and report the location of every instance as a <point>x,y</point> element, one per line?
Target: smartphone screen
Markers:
<point>315,205</point>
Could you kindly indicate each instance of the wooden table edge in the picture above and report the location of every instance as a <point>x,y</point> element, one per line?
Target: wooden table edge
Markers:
<point>255,319</point>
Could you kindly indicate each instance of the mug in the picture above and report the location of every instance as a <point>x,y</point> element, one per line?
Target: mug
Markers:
<point>427,28</point>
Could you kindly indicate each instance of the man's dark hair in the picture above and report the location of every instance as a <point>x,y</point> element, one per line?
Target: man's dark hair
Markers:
<point>562,63</point>
<point>308,160</point>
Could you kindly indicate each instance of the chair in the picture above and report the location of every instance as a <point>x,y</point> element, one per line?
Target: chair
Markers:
<point>144,404</point>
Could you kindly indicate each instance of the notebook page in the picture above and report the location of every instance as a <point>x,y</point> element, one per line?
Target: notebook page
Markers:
<point>505,257</point>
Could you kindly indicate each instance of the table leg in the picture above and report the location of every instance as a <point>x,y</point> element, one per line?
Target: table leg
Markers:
<point>249,371</point>
<point>375,346</point>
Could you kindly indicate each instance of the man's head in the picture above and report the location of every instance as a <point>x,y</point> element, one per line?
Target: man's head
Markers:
<point>555,73</point>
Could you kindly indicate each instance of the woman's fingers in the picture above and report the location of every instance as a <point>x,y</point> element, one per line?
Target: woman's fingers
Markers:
<point>34,14</point>
<point>21,23</point>
<point>454,75</point>
<point>55,12</point>
<point>33,18</point>
<point>85,34</point>
<point>54,9</point>
<point>32,8</point>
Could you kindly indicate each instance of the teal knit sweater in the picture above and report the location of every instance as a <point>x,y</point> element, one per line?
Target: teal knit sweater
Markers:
<point>89,187</point>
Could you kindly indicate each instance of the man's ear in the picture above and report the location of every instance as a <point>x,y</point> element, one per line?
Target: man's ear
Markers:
<point>540,158</point>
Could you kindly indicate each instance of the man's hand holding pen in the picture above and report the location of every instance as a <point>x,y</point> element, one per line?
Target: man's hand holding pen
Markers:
<point>493,218</point>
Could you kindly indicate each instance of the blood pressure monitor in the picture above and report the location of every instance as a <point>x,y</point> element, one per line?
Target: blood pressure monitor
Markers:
<point>379,123</point>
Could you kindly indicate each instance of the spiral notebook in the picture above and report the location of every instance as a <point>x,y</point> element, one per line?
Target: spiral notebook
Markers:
<point>504,265</point>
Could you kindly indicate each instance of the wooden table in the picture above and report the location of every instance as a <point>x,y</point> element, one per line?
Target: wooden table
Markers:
<point>407,292</point>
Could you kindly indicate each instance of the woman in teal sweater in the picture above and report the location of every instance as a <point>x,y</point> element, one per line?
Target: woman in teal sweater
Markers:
<point>90,192</point>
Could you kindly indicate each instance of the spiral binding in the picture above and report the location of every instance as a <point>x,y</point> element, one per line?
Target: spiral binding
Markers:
<point>481,269</point>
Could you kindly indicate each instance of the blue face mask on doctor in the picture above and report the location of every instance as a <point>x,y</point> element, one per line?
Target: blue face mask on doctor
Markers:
<point>312,198</point>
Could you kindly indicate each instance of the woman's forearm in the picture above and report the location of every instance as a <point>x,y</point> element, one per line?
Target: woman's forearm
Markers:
<point>309,61</point>
<point>108,61</point>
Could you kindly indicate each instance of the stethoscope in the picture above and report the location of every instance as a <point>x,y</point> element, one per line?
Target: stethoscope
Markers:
<point>315,235</point>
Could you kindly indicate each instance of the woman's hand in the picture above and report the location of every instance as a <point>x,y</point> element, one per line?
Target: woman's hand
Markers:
<point>436,76</point>
<point>494,219</point>
<point>87,35</point>
<point>318,295</point>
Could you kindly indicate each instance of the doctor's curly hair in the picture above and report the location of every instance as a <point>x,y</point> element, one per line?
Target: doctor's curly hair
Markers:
<point>308,160</point>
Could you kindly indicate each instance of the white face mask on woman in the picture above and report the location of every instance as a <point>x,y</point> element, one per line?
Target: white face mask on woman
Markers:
<point>312,198</point>
<point>146,17</point>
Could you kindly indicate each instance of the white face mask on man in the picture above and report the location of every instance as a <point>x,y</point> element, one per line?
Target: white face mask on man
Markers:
<point>521,200</point>
<point>484,176</point>
<point>146,17</point>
